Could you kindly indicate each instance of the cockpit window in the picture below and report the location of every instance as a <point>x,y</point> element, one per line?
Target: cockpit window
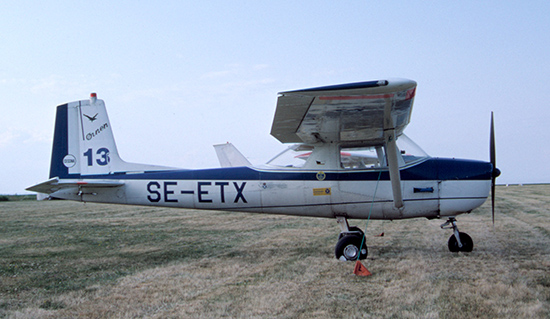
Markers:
<point>373,157</point>
<point>409,150</point>
<point>362,158</point>
<point>294,156</point>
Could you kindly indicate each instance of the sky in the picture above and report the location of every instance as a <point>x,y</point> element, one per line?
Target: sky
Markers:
<point>180,76</point>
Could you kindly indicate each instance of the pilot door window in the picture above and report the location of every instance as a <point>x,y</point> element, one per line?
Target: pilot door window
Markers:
<point>362,158</point>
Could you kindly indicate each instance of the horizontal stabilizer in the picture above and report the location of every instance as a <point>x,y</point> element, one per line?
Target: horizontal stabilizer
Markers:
<point>229,156</point>
<point>54,184</point>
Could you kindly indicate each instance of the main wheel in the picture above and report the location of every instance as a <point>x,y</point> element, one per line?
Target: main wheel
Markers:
<point>465,239</point>
<point>347,248</point>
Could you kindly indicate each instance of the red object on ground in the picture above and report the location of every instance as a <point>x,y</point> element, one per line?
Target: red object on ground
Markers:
<point>361,270</point>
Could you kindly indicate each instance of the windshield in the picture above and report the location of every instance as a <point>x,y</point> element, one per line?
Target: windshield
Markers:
<point>409,150</point>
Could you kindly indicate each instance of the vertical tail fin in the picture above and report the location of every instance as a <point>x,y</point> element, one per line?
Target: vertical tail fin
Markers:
<point>84,144</point>
<point>229,156</point>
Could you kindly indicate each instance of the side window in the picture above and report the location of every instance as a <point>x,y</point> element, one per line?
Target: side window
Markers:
<point>295,156</point>
<point>363,158</point>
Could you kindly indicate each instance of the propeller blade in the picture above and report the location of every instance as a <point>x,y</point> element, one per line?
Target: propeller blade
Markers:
<point>493,200</point>
<point>492,143</point>
<point>492,151</point>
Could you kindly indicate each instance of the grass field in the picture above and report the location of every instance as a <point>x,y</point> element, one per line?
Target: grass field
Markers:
<point>61,259</point>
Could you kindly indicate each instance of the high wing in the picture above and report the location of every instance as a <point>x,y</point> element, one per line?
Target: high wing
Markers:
<point>351,115</point>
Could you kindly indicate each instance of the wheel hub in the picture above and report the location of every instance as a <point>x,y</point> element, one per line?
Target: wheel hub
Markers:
<point>351,252</point>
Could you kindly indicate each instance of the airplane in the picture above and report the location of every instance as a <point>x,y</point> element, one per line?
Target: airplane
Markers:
<point>348,159</point>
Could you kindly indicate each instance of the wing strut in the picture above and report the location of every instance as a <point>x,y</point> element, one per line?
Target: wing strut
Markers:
<point>391,153</point>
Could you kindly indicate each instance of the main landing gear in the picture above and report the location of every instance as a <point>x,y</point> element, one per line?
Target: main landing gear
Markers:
<point>352,237</point>
<point>349,241</point>
<point>458,241</point>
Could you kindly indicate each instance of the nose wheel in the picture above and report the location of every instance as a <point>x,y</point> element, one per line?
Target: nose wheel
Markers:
<point>458,241</point>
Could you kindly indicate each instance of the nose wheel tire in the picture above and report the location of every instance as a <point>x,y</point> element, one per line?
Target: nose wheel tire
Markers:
<point>465,239</point>
<point>347,248</point>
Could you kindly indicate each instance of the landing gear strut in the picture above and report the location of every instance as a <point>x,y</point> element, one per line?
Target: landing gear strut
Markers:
<point>458,241</point>
<point>349,241</point>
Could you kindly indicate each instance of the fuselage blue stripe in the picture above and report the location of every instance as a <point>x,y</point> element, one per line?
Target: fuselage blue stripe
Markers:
<point>431,169</point>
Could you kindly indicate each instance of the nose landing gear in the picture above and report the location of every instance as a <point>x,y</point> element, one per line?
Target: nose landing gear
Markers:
<point>458,241</point>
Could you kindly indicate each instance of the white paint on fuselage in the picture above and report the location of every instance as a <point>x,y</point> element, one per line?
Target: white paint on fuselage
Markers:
<point>353,199</point>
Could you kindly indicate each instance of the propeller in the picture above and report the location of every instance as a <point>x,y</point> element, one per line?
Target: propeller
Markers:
<point>496,171</point>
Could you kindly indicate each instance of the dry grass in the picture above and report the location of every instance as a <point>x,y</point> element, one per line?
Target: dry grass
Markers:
<point>63,260</point>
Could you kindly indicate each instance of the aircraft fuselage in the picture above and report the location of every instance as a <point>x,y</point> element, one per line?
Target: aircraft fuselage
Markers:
<point>432,188</point>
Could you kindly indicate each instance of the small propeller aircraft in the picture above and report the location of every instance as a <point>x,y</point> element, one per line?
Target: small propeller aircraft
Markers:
<point>349,160</point>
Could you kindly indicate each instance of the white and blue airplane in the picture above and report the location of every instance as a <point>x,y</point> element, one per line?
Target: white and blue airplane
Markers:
<point>350,160</point>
